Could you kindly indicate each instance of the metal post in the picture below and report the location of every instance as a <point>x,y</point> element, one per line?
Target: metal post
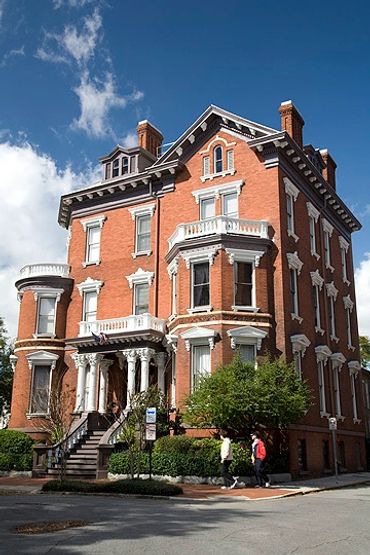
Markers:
<point>334,438</point>
<point>150,459</point>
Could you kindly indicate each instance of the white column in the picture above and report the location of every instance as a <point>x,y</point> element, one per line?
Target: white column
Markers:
<point>103,386</point>
<point>80,363</point>
<point>131,364</point>
<point>145,355</point>
<point>93,359</point>
<point>161,360</point>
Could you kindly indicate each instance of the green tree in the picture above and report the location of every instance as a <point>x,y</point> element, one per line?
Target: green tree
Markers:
<point>240,397</point>
<point>6,371</point>
<point>365,350</point>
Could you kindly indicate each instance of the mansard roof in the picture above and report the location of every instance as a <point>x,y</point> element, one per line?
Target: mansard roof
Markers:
<point>125,150</point>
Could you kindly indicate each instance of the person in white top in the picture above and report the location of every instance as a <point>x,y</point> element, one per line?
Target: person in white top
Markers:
<point>226,460</point>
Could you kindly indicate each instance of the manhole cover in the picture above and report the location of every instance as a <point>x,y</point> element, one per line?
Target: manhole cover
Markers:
<point>50,526</point>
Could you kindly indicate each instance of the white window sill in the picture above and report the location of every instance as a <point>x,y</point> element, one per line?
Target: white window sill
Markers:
<point>340,417</point>
<point>31,415</point>
<point>87,263</point>
<point>172,317</point>
<point>296,317</point>
<point>334,338</point>
<point>324,414</point>
<point>292,234</point>
<point>319,330</point>
<point>43,335</point>
<point>208,308</point>
<point>141,253</point>
<point>316,255</point>
<point>351,347</point>
<point>245,308</point>
<point>357,421</point>
<point>345,280</point>
<point>329,267</point>
<point>211,176</point>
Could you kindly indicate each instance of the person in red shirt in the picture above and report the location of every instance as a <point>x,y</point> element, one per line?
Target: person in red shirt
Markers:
<point>258,460</point>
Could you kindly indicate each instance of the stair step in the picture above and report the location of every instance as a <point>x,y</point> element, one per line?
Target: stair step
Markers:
<point>87,452</point>
<point>82,467</point>
<point>83,456</point>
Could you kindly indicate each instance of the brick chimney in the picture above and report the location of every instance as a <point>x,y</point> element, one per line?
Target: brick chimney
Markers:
<point>149,137</point>
<point>292,121</point>
<point>330,166</point>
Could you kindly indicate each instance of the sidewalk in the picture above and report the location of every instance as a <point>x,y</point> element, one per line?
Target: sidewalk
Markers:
<point>12,485</point>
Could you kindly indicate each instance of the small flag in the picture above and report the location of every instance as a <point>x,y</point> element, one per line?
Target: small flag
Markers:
<point>101,339</point>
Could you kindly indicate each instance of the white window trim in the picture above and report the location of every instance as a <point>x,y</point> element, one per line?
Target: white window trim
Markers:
<point>337,361</point>
<point>354,367</point>
<point>313,215</point>
<point>147,210</point>
<point>225,146</point>
<point>51,293</point>
<point>140,276</point>
<point>252,257</point>
<point>292,191</point>
<point>322,355</point>
<point>300,342</point>
<point>134,296</point>
<point>172,270</point>
<point>204,308</point>
<point>348,307</point>
<point>90,285</point>
<point>344,246</point>
<point>88,224</point>
<point>200,255</point>
<point>199,336</point>
<point>317,282</point>
<point>40,358</point>
<point>332,292</point>
<point>294,263</point>
<point>218,190</point>
<point>328,232</point>
<point>200,207</point>
<point>246,335</point>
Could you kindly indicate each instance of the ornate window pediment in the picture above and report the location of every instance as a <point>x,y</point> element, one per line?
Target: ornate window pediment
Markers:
<point>300,342</point>
<point>198,336</point>
<point>140,276</point>
<point>247,335</point>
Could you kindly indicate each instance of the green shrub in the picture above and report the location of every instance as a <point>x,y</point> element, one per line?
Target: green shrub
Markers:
<point>142,487</point>
<point>24,462</point>
<point>15,443</point>
<point>119,463</point>
<point>7,462</point>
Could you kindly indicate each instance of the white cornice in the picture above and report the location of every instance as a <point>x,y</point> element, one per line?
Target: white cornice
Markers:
<point>317,279</point>
<point>140,276</point>
<point>354,367</point>
<point>337,360</point>
<point>39,292</point>
<point>300,342</point>
<point>246,335</point>
<point>198,335</point>
<point>241,255</point>
<point>90,285</point>
<point>232,187</point>
<point>203,254</point>
<point>290,188</point>
<point>142,210</point>
<point>294,262</point>
<point>322,353</point>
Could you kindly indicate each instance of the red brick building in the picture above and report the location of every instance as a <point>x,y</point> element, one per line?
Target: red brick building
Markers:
<point>234,237</point>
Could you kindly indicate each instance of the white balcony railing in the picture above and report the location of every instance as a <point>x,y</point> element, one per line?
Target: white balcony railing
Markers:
<point>136,324</point>
<point>32,270</point>
<point>219,225</point>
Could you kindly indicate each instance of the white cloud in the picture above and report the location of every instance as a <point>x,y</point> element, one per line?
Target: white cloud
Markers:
<point>12,54</point>
<point>71,3</point>
<point>129,140</point>
<point>2,4</point>
<point>96,101</point>
<point>362,278</point>
<point>72,44</point>
<point>30,188</point>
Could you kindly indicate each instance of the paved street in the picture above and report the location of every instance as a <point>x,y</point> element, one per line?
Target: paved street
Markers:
<point>330,522</point>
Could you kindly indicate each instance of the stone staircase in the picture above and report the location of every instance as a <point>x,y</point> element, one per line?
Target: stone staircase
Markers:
<point>82,460</point>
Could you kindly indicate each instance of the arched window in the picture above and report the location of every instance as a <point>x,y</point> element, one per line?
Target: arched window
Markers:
<point>217,159</point>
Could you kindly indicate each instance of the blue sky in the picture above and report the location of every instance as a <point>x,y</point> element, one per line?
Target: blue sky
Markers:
<point>77,75</point>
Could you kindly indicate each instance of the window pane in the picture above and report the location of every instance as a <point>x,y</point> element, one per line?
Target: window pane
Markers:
<point>125,162</point>
<point>143,233</point>
<point>201,284</point>
<point>247,353</point>
<point>201,363</point>
<point>93,239</point>
<point>107,171</point>
<point>289,206</point>
<point>218,159</point>
<point>243,283</point>
<point>230,205</point>
<point>115,168</point>
<point>90,306</point>
<point>40,389</point>
<point>46,315</point>
<point>141,298</point>
<point>207,208</point>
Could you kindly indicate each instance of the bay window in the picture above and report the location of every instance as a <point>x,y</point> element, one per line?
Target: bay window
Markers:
<point>200,285</point>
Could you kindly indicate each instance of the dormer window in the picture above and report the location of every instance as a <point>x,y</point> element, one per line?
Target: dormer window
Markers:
<point>115,168</point>
<point>125,165</point>
<point>217,158</point>
<point>107,171</point>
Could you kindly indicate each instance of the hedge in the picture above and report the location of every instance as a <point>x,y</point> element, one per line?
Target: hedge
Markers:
<point>15,450</point>
<point>141,487</point>
<point>184,456</point>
